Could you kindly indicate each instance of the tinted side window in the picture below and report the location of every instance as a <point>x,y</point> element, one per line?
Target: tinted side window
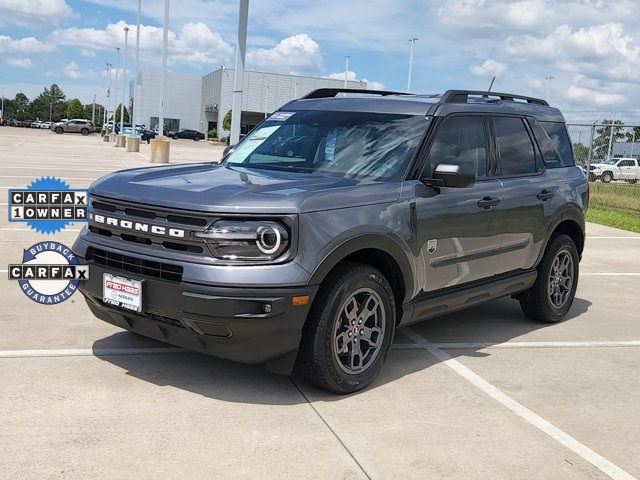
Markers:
<point>550,154</point>
<point>460,140</point>
<point>626,163</point>
<point>558,134</point>
<point>516,155</point>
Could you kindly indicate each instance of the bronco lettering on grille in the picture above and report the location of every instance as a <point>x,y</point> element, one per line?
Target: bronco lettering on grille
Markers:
<point>137,226</point>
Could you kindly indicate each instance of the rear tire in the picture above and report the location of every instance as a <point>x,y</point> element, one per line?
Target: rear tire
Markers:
<point>196,139</point>
<point>552,294</point>
<point>84,132</point>
<point>349,329</point>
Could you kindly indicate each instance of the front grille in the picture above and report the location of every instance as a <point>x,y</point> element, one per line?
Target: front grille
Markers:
<point>117,261</point>
<point>161,217</point>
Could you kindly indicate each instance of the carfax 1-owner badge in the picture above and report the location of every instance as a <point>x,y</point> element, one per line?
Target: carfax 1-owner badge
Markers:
<point>49,273</point>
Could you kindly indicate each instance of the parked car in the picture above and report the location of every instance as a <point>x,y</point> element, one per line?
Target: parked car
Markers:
<point>190,134</point>
<point>85,127</point>
<point>627,169</point>
<point>36,124</point>
<point>337,220</point>
<point>46,125</point>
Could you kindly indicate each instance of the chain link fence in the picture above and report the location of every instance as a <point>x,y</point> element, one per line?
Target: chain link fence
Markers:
<point>609,153</point>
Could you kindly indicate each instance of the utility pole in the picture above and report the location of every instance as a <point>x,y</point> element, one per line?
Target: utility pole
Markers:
<point>115,106</point>
<point>2,109</point>
<point>238,74</point>
<point>346,69</point>
<point>50,111</point>
<point>136,79</point>
<point>108,96</point>
<point>549,78</point>
<point>266,97</point>
<point>412,42</point>
<point>613,122</point>
<point>163,72</point>
<point>124,79</point>
<point>93,111</point>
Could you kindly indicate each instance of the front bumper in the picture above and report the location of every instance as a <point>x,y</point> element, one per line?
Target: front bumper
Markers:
<point>229,323</point>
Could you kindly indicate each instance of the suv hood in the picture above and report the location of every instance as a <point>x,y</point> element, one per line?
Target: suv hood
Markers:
<point>220,189</point>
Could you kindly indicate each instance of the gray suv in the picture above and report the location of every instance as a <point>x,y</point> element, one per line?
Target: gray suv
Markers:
<point>338,219</point>
<point>77,125</point>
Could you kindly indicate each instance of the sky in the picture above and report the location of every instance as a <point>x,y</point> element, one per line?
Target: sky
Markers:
<point>591,48</point>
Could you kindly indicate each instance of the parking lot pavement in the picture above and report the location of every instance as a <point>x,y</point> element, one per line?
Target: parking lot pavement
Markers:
<point>481,393</point>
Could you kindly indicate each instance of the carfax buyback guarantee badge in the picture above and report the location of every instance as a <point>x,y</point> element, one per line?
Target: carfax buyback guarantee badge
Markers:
<point>49,273</point>
<point>48,205</point>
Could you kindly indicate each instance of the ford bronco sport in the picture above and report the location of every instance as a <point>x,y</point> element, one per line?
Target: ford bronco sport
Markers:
<point>338,219</point>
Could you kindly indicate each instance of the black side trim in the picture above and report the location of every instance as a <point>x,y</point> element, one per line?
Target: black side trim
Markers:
<point>452,260</point>
<point>463,296</point>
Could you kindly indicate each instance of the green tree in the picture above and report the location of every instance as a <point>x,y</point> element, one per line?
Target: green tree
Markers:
<point>601,142</point>
<point>580,153</point>
<point>126,114</point>
<point>226,121</point>
<point>21,107</point>
<point>50,103</point>
<point>75,109</point>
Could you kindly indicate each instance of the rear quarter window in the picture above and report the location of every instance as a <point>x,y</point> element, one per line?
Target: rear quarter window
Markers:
<point>559,137</point>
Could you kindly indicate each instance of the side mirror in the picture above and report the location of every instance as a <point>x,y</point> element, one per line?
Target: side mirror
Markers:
<point>453,175</point>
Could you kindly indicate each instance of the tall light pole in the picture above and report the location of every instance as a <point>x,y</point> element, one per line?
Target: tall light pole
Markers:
<point>124,79</point>
<point>266,97</point>
<point>238,74</point>
<point>2,109</point>
<point>163,72</point>
<point>346,69</point>
<point>108,96</point>
<point>613,122</point>
<point>412,42</point>
<point>548,79</point>
<point>115,98</point>
<point>136,79</point>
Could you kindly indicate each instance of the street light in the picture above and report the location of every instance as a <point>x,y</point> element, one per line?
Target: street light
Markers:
<point>124,78</point>
<point>136,78</point>
<point>549,78</point>
<point>238,74</point>
<point>115,105</point>
<point>108,97</point>
<point>163,72</point>
<point>412,41</point>
<point>346,69</point>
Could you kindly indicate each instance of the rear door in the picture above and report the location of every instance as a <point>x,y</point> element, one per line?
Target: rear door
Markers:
<point>628,169</point>
<point>530,193</point>
<point>457,230</point>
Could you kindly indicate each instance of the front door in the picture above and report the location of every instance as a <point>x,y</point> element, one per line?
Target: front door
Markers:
<point>457,230</point>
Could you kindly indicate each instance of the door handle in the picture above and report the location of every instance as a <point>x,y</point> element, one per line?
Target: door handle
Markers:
<point>545,195</point>
<point>488,202</point>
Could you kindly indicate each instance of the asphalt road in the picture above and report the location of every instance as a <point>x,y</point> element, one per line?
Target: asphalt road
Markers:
<point>483,393</point>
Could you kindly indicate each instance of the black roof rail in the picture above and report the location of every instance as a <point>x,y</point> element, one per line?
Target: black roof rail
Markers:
<point>462,96</point>
<point>332,92</point>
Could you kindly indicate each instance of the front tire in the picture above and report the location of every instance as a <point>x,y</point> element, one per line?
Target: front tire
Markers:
<point>58,130</point>
<point>552,294</point>
<point>607,177</point>
<point>349,329</point>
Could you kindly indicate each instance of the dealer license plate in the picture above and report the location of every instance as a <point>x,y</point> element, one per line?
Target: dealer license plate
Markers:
<point>122,292</point>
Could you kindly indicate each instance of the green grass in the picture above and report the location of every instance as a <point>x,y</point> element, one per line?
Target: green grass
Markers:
<point>612,217</point>
<point>620,196</point>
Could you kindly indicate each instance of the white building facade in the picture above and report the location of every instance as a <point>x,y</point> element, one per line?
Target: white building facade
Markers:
<point>200,103</point>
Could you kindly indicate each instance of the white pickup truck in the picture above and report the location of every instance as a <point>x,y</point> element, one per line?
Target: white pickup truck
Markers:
<point>627,169</point>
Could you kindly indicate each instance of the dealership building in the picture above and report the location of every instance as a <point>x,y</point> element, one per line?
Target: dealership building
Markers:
<point>200,103</point>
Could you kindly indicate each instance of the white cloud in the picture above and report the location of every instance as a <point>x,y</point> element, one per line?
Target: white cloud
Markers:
<point>352,77</point>
<point>87,53</point>
<point>195,43</point>
<point>296,51</point>
<point>489,68</point>
<point>19,62</point>
<point>25,12</point>
<point>581,96</point>
<point>73,70</point>
<point>23,45</point>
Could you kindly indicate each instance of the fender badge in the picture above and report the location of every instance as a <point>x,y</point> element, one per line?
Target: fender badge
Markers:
<point>432,245</point>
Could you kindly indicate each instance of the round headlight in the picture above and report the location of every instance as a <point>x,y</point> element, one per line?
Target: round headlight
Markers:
<point>269,239</point>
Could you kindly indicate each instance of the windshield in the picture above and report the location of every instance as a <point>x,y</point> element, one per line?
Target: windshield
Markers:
<point>610,161</point>
<point>347,144</point>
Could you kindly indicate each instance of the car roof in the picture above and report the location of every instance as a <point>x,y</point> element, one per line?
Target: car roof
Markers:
<point>452,101</point>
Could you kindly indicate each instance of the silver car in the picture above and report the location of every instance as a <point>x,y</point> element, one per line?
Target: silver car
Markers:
<point>76,125</point>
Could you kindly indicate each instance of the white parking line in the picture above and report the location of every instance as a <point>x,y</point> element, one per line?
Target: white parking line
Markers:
<point>10,229</point>
<point>610,274</point>
<point>63,178</point>
<point>483,345</point>
<point>58,167</point>
<point>615,238</point>
<point>601,463</point>
<point>90,352</point>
